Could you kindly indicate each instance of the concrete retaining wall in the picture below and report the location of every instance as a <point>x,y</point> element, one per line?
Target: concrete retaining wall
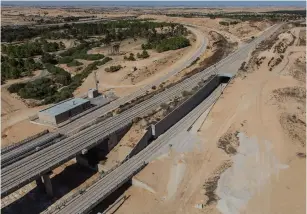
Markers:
<point>117,136</point>
<point>180,111</point>
<point>144,141</point>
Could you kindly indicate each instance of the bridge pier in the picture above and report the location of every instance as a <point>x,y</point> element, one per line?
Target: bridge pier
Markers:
<point>112,142</point>
<point>44,183</point>
<point>84,161</point>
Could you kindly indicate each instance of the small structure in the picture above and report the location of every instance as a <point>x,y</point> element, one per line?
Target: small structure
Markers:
<point>63,110</point>
<point>92,93</point>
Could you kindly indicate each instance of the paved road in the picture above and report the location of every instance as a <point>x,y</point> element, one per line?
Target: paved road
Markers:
<point>22,172</point>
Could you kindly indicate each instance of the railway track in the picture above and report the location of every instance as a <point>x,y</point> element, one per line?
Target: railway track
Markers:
<point>31,167</point>
<point>84,202</point>
<point>88,119</point>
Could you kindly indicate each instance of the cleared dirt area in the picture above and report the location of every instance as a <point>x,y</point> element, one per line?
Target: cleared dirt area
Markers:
<point>138,73</point>
<point>240,31</point>
<point>250,155</point>
<point>14,117</point>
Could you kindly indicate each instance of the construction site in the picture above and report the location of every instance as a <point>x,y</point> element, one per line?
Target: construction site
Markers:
<point>132,124</point>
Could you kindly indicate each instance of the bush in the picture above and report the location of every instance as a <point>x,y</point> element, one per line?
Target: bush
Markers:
<point>143,55</point>
<point>90,57</point>
<point>130,58</point>
<point>14,88</point>
<point>80,52</point>
<point>74,63</point>
<point>16,68</point>
<point>113,68</point>
<point>147,46</point>
<point>173,43</point>
<point>49,58</point>
<point>66,59</point>
<point>59,74</point>
<point>224,23</point>
<point>37,89</point>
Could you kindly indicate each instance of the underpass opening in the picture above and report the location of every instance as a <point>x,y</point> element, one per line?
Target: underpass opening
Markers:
<point>225,77</point>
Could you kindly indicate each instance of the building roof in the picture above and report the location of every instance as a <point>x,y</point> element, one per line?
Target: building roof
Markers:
<point>64,106</point>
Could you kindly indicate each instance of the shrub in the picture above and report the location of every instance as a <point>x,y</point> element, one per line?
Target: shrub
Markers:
<point>143,55</point>
<point>224,23</point>
<point>74,63</point>
<point>130,58</point>
<point>37,89</point>
<point>147,46</point>
<point>173,43</point>
<point>66,59</point>
<point>14,88</point>
<point>49,58</point>
<point>113,68</point>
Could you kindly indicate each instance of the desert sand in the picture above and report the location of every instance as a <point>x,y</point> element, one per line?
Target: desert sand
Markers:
<point>248,157</point>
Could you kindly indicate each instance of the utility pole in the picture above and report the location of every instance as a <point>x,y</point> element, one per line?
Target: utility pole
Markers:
<point>96,81</point>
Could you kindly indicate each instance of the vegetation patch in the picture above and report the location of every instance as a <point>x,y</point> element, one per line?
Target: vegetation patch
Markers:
<point>113,68</point>
<point>143,55</point>
<point>229,142</point>
<point>248,16</point>
<point>294,127</point>
<point>30,49</point>
<point>296,93</point>
<point>74,63</point>
<point>167,44</point>
<point>130,57</point>
<point>37,89</point>
<point>228,23</point>
<point>79,52</point>
<point>57,88</point>
<point>15,68</point>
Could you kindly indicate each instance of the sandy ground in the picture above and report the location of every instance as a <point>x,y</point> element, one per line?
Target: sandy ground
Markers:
<point>124,147</point>
<point>14,111</point>
<point>25,15</point>
<point>240,31</point>
<point>250,155</point>
<point>126,80</point>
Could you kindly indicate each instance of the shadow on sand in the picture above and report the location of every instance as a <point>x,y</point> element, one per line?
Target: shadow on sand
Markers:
<point>37,200</point>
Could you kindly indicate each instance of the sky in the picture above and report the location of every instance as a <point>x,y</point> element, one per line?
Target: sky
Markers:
<point>158,3</point>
